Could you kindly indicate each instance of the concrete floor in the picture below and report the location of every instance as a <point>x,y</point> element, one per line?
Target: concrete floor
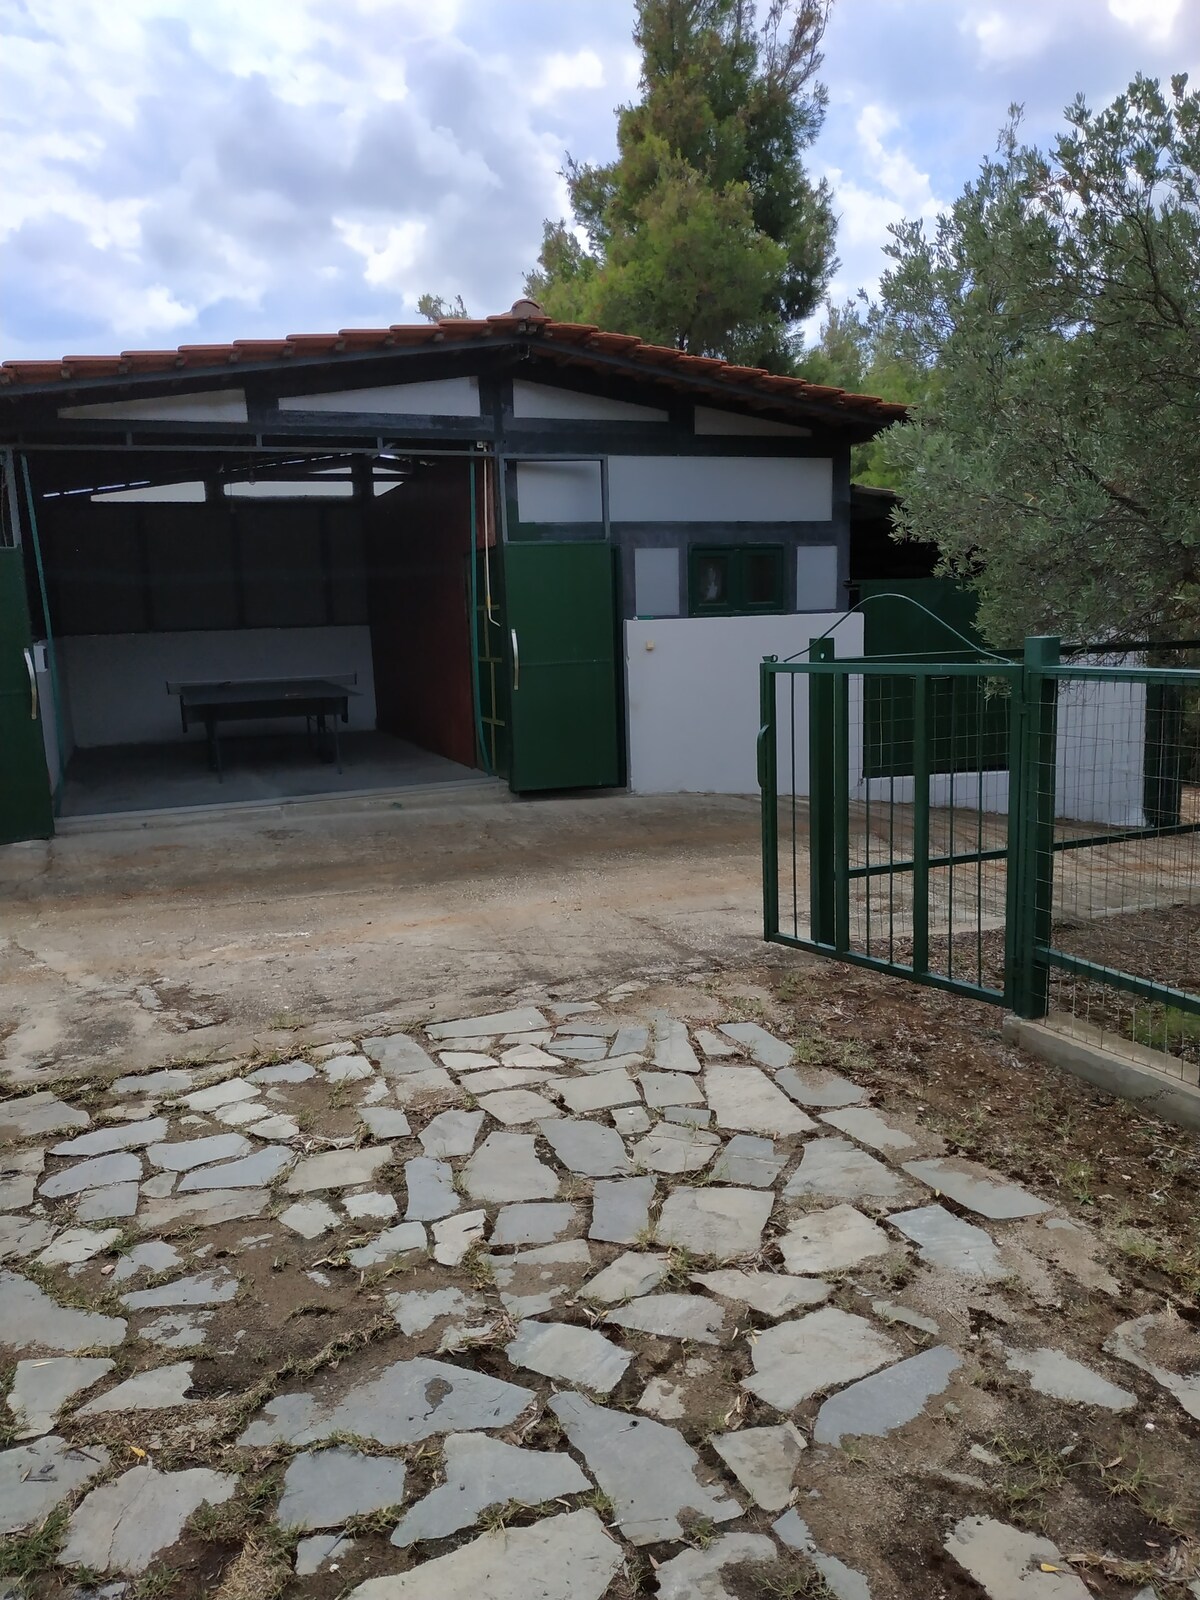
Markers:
<point>264,767</point>
<point>149,941</point>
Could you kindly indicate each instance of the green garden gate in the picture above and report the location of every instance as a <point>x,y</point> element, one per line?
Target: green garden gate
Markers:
<point>1007,849</point>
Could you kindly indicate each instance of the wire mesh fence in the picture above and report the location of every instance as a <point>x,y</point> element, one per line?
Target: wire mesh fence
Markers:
<point>1020,831</point>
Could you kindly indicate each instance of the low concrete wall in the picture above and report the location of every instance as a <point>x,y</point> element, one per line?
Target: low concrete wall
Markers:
<point>115,685</point>
<point>693,700</point>
<point>1134,1075</point>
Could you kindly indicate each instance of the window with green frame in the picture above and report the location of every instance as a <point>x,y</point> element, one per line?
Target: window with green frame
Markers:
<point>735,579</point>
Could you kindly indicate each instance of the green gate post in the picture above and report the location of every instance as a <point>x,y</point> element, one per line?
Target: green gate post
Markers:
<point>1032,862</point>
<point>822,723</point>
<point>768,787</point>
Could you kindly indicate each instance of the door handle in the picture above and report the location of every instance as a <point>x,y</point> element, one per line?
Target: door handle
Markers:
<point>516,654</point>
<point>33,687</point>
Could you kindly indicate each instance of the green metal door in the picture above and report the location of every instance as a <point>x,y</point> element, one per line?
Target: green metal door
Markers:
<point>25,807</point>
<point>560,611</point>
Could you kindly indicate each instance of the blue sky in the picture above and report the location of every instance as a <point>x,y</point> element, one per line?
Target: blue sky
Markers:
<point>177,171</point>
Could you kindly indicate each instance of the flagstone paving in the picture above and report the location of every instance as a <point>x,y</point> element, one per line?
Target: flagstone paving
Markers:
<point>489,1307</point>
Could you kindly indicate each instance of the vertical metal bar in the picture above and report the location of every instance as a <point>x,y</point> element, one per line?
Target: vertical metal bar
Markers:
<point>841,811</point>
<point>922,689</point>
<point>768,787</point>
<point>820,797</point>
<point>1031,925</point>
<point>473,564</point>
<point>51,648</point>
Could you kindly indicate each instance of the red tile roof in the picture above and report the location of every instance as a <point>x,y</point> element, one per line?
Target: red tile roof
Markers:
<point>575,344</point>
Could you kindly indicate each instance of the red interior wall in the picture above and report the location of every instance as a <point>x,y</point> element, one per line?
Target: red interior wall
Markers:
<point>418,545</point>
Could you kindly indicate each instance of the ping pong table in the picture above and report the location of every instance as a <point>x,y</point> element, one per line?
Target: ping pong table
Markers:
<point>243,700</point>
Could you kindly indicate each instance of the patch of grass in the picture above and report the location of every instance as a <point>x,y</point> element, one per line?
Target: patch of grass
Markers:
<point>25,1555</point>
<point>1180,1264</point>
<point>1078,1179</point>
<point>477,1264</point>
<point>261,1570</point>
<point>599,1502</point>
<point>1031,1471</point>
<point>154,1583</point>
<point>788,1578</point>
<point>1160,1027</point>
<point>287,1022</point>
<point>681,1263</point>
<point>366,1522</point>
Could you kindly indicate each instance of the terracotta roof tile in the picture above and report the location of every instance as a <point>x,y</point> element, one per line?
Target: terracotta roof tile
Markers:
<point>580,344</point>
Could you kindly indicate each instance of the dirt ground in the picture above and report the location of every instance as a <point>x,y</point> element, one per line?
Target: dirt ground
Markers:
<point>134,946</point>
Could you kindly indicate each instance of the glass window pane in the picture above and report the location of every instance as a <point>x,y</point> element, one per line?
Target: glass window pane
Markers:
<point>764,571</point>
<point>712,581</point>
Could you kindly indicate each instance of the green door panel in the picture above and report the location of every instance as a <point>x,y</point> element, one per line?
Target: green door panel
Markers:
<point>564,699</point>
<point>25,807</point>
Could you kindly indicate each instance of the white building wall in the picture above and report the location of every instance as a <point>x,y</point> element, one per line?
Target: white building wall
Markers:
<point>115,685</point>
<point>692,694</point>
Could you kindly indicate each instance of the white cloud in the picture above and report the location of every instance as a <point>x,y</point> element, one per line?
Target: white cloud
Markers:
<point>1154,19</point>
<point>1013,35</point>
<point>562,74</point>
<point>389,252</point>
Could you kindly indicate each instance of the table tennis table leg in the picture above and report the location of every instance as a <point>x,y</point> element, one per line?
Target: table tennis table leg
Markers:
<point>214,747</point>
<point>337,749</point>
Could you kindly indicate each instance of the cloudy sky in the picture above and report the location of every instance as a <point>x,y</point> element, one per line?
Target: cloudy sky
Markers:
<point>176,171</point>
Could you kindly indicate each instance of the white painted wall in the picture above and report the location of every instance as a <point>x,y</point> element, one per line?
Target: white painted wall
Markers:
<point>692,687</point>
<point>438,397</point>
<point>559,491</point>
<point>541,400</point>
<point>115,684</point>
<point>720,489</point>
<point>217,405</point>
<point>1099,761</point>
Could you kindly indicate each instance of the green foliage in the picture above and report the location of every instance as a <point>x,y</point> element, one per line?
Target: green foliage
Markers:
<point>705,233</point>
<point>434,309</point>
<point>1057,459</point>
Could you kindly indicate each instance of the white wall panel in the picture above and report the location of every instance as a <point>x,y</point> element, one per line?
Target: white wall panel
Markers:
<point>817,577</point>
<point>559,491</point>
<point>115,685</point>
<point>440,397</point>
<point>720,489</point>
<point>540,400</point>
<point>693,700</point>
<point>218,405</point>
<point>708,420</point>
<point>656,586</point>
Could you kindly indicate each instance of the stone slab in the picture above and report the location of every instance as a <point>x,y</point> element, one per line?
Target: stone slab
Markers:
<point>891,1136</point>
<point>579,1356</point>
<point>406,1238</point>
<point>746,1101</point>
<point>630,1120</point>
<point>764,1461</point>
<point>598,1091</point>
<point>670,1089</point>
<point>216,1288</point>
<point>169,1081</point>
<point>750,1161</point>
<point>762,1045</point>
<point>819,1091</point>
<point>76,1245</point>
<point>713,1047</point>
<point>506,1168</point>
<point>338,1169</point>
<point>418,1309</point>
<point>323,1488</point>
<point>633,1273</point>
<point>36,1477</point>
<point>1010,1564</point>
<point>23,1236</point>
<point>384,1122</point>
<point>309,1218</point>
<point>283,1072</point>
<point>454,1236</point>
<point>347,1069</point>
<point>568,1557</point>
<point>723,1224</point>
<point>978,1189</point>
<point>482,1472</point>
<point>1056,1374</point>
<point>673,1149</point>
<point>1164,1331</point>
<point>221,1094</point>
<point>31,1320</point>
<point>431,1191</point>
<point>578,1048</point>
<point>533,1282</point>
<point>646,1468</point>
<point>275,1128</point>
<point>102,1205</point>
<point>673,1316</point>
<point>466,1060</point>
<point>451,1134</point>
<point>774,1294</point>
<point>155,1255</point>
<point>121,1166</point>
<point>251,1172</point>
<point>369,1203</point>
<point>496,1080</point>
<point>122,1525</point>
<point>672,1048</point>
<point>831,1241</point>
<point>630,1039</point>
<point>40,1389</point>
<point>838,1168</point>
<point>588,1149</point>
<point>945,1240</point>
<point>527,1056</point>
<point>517,1107</point>
<point>203,1210</point>
<point>407,1402</point>
<point>159,1389</point>
<point>125,1136</point>
<point>533,1222</point>
<point>312,1553</point>
<point>187,1153</point>
<point>887,1400</point>
<point>621,1210</point>
<point>30,1115</point>
<point>433,1086</point>
<point>522,1019</point>
<point>823,1350</point>
<point>397,1054</point>
<point>697,1574</point>
<point>177,1330</point>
